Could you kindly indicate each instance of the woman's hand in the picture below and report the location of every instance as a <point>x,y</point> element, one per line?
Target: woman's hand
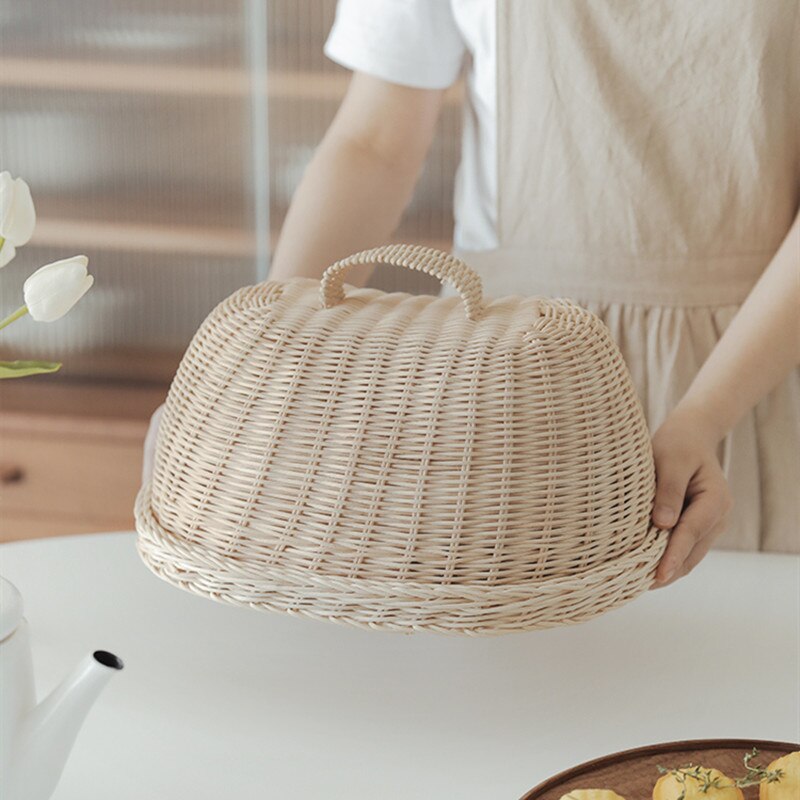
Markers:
<point>692,496</point>
<point>758,349</point>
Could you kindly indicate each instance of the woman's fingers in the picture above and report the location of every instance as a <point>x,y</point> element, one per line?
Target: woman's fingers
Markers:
<point>672,479</point>
<point>705,510</point>
<point>698,553</point>
<point>700,550</point>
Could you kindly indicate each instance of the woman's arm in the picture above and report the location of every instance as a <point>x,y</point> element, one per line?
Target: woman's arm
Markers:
<point>758,349</point>
<point>360,179</point>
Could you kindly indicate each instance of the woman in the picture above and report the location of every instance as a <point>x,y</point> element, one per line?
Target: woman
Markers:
<point>641,158</point>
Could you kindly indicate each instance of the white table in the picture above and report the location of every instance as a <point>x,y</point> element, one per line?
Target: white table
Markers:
<point>221,702</point>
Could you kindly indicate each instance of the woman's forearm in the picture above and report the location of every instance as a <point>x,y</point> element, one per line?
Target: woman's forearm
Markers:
<point>758,349</point>
<point>348,200</point>
<point>360,179</point>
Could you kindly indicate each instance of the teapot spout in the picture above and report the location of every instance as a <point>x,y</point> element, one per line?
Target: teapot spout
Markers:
<point>49,730</point>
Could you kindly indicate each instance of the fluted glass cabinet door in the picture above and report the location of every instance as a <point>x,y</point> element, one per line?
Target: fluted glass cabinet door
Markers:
<point>164,140</point>
<point>131,121</point>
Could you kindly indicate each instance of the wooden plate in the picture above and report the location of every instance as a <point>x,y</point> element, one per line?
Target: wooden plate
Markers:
<point>633,773</point>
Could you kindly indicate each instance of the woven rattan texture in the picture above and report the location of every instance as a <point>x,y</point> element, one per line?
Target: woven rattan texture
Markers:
<point>401,462</point>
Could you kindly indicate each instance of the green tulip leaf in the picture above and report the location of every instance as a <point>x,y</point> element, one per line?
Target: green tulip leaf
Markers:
<point>21,369</point>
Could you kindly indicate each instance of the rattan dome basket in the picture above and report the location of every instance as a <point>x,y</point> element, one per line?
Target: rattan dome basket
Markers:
<point>403,462</point>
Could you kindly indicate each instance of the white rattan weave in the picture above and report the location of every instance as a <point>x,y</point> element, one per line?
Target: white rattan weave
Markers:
<point>403,462</point>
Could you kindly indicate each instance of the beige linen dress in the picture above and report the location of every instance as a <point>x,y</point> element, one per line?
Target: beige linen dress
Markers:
<point>649,168</point>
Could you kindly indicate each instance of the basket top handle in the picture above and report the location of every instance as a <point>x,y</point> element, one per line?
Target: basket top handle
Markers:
<point>444,266</point>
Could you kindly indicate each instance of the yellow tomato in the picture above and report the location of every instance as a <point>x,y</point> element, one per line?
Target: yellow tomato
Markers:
<point>788,787</point>
<point>708,784</point>
<point>592,794</point>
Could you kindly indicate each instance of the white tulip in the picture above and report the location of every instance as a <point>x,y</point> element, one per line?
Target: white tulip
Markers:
<point>53,289</point>
<point>17,216</point>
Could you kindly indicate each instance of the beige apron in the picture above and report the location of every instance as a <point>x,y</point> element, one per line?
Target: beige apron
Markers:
<point>648,167</point>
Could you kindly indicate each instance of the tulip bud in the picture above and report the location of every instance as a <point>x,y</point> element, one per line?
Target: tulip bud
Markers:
<point>53,289</point>
<point>17,216</point>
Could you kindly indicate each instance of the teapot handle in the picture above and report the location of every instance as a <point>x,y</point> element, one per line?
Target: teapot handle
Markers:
<point>447,268</point>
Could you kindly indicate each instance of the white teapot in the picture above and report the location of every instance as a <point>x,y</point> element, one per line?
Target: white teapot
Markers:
<point>35,740</point>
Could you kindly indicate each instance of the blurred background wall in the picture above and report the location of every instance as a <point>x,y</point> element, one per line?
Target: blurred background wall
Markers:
<point>164,140</point>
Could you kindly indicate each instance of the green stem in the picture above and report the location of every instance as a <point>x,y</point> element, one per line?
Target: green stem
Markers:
<point>20,312</point>
<point>2,242</point>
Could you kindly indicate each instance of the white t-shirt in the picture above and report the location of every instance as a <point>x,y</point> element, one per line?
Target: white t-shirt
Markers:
<point>424,43</point>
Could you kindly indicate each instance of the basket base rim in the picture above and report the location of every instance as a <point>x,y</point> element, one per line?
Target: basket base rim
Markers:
<point>397,606</point>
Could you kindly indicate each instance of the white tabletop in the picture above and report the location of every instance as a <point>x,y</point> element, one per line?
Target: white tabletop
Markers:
<point>221,702</point>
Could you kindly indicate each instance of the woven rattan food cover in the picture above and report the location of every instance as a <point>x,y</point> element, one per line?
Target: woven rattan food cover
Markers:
<point>403,462</point>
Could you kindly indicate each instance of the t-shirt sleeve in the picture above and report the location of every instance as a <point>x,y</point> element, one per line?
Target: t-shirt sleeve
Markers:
<point>411,42</point>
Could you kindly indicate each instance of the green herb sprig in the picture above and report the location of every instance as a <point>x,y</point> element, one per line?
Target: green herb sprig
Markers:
<point>755,774</point>
<point>706,780</point>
